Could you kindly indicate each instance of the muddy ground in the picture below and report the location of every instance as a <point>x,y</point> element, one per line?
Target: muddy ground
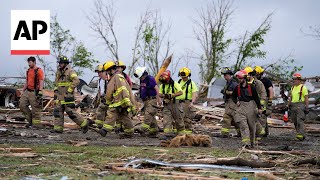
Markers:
<point>278,138</point>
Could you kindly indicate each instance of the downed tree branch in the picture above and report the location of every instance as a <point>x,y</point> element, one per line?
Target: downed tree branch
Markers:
<point>174,175</point>
<point>290,153</point>
<point>234,161</point>
<point>313,161</point>
<point>314,173</point>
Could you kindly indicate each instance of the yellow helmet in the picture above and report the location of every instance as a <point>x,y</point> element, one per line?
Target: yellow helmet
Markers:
<point>121,64</point>
<point>99,68</point>
<point>259,69</point>
<point>108,65</point>
<point>248,69</point>
<point>184,72</point>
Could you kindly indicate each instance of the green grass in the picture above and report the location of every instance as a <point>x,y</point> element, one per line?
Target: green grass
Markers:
<point>57,160</point>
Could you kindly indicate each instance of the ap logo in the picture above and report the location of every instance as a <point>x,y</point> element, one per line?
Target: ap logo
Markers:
<point>30,32</point>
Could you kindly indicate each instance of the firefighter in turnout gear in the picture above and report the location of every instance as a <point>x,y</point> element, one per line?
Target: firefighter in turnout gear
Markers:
<point>120,101</point>
<point>261,123</point>
<point>299,106</point>
<point>121,67</point>
<point>270,93</point>
<point>172,111</point>
<point>188,98</point>
<point>247,99</point>
<point>149,93</point>
<point>230,106</point>
<point>65,82</point>
<point>32,94</point>
<point>102,107</point>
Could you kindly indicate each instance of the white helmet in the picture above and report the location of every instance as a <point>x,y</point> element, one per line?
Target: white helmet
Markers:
<point>139,72</point>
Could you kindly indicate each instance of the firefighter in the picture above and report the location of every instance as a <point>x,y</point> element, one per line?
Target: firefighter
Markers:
<point>120,101</point>
<point>172,111</point>
<point>121,67</point>
<point>102,107</point>
<point>32,94</point>
<point>229,115</point>
<point>65,82</point>
<point>270,93</point>
<point>247,100</point>
<point>298,105</point>
<point>261,123</point>
<point>187,100</point>
<point>149,93</point>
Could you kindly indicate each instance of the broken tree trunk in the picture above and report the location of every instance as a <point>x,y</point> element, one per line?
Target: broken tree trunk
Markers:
<point>164,66</point>
<point>234,161</point>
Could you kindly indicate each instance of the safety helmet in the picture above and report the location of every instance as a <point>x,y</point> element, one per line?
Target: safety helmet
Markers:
<point>226,70</point>
<point>139,72</point>
<point>108,65</point>
<point>165,76</point>
<point>259,69</point>
<point>242,74</point>
<point>297,76</point>
<point>121,64</point>
<point>184,72</point>
<point>99,68</point>
<point>63,59</point>
<point>248,69</point>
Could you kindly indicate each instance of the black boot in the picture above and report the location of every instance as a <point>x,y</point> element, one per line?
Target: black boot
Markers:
<point>56,131</point>
<point>103,132</point>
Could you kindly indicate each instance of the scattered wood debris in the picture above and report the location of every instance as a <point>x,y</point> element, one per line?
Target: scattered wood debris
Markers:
<point>23,155</point>
<point>16,150</point>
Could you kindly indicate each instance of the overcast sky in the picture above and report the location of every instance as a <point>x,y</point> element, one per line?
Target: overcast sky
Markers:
<point>284,38</point>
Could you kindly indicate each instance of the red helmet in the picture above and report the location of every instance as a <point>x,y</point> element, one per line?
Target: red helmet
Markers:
<point>297,76</point>
<point>165,76</point>
<point>242,74</point>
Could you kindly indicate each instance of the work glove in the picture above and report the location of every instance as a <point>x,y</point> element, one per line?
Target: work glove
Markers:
<point>167,96</point>
<point>306,111</point>
<point>39,94</point>
<point>70,90</point>
<point>69,98</point>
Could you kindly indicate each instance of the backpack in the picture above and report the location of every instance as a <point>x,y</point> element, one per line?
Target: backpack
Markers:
<point>187,83</point>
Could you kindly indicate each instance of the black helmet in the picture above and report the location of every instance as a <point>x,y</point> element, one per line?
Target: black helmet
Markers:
<point>226,70</point>
<point>63,59</point>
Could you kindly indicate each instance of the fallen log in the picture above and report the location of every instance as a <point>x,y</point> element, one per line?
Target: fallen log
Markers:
<point>314,173</point>
<point>234,161</point>
<point>16,150</point>
<point>313,161</point>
